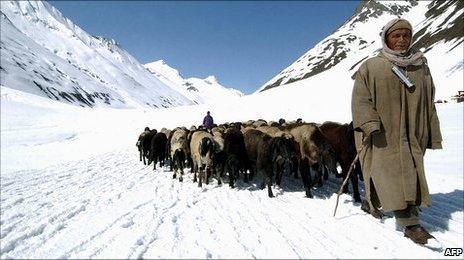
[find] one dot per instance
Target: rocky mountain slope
(438, 32)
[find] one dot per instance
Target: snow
(198, 90)
(445, 64)
(72, 186)
(58, 58)
(73, 61)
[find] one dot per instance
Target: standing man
(208, 121)
(396, 121)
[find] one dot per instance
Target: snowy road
(112, 206)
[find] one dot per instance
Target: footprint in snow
(7, 184)
(128, 224)
(16, 202)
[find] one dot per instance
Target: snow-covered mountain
(44, 53)
(198, 90)
(438, 28)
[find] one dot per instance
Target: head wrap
(399, 24)
(400, 58)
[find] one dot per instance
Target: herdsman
(208, 121)
(396, 120)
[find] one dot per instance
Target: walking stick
(347, 176)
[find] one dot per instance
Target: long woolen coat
(408, 124)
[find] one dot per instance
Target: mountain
(44, 53)
(438, 33)
(198, 90)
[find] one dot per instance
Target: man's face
(399, 39)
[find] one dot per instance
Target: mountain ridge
(199, 90)
(436, 25)
(45, 53)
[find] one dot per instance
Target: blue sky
(243, 43)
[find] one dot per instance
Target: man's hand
(372, 133)
(369, 129)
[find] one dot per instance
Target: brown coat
(408, 124)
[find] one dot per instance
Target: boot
(376, 213)
(417, 234)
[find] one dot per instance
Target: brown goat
(268, 155)
(315, 152)
(341, 137)
(257, 146)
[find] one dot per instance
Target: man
(208, 121)
(396, 123)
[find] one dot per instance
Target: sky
(243, 43)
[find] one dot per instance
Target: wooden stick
(352, 166)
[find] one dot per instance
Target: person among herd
(396, 121)
(208, 121)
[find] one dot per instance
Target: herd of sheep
(267, 150)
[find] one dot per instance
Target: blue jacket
(208, 121)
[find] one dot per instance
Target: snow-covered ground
(72, 187)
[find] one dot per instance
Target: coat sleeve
(435, 138)
(365, 115)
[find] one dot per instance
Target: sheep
(259, 122)
(168, 134)
(273, 123)
(284, 157)
(236, 125)
(218, 154)
(139, 143)
(202, 148)
(341, 137)
(248, 123)
(179, 149)
(224, 125)
(157, 149)
(273, 131)
(165, 131)
(236, 159)
(293, 151)
(145, 143)
(218, 129)
(315, 152)
(244, 129)
(266, 153)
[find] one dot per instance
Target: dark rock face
(427, 39)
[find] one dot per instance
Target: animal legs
(304, 172)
